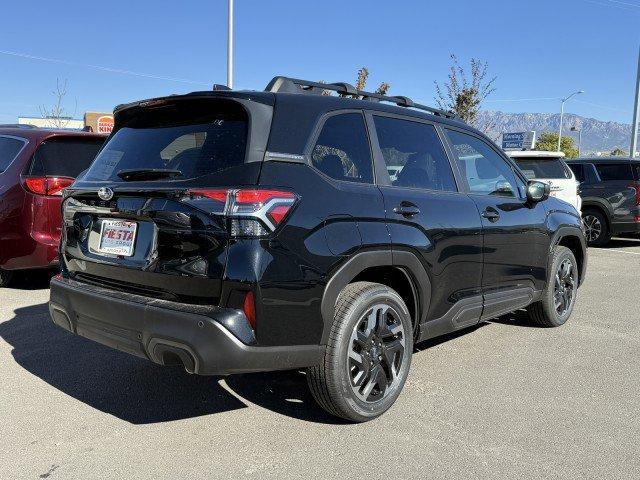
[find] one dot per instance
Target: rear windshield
(9, 149)
(543, 167)
(192, 139)
(64, 156)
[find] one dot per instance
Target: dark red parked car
(35, 165)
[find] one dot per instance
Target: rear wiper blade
(148, 174)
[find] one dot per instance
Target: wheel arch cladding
(403, 273)
(568, 237)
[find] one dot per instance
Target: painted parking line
(616, 251)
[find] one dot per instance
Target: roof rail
(295, 85)
(17, 125)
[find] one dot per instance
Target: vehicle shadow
(432, 342)
(31, 280)
(619, 242)
(519, 318)
(138, 391)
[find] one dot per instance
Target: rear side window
(614, 171)
(195, 139)
(543, 168)
(414, 155)
(9, 149)
(64, 156)
(342, 149)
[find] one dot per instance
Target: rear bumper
(29, 253)
(207, 340)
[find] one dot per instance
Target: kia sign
(519, 140)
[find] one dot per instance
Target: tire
(596, 228)
(546, 312)
(5, 277)
(355, 325)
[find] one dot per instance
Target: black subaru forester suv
(238, 231)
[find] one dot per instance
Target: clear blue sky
(537, 49)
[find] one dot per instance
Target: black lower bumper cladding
(206, 340)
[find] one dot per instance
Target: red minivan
(35, 166)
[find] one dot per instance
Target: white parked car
(549, 167)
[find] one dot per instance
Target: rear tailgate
(145, 234)
(178, 252)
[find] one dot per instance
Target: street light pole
(230, 46)
(562, 114)
(636, 116)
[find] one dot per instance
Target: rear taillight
(47, 185)
(252, 212)
(636, 187)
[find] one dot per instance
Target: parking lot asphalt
(501, 400)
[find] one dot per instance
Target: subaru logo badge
(105, 193)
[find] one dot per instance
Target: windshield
(191, 141)
(544, 168)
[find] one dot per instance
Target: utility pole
(636, 115)
(230, 46)
(562, 114)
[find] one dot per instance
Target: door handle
(407, 209)
(491, 214)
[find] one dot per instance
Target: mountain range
(597, 135)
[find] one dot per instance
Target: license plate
(117, 237)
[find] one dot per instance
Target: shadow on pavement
(518, 318)
(432, 342)
(140, 392)
(136, 390)
(31, 279)
(619, 242)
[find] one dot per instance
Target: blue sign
(518, 140)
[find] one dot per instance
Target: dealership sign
(519, 140)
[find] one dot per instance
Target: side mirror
(538, 191)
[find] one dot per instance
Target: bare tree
(361, 82)
(56, 114)
(464, 96)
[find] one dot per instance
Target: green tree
(548, 141)
(463, 95)
(618, 152)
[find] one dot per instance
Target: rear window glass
(193, 139)
(342, 150)
(64, 156)
(543, 168)
(614, 171)
(9, 149)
